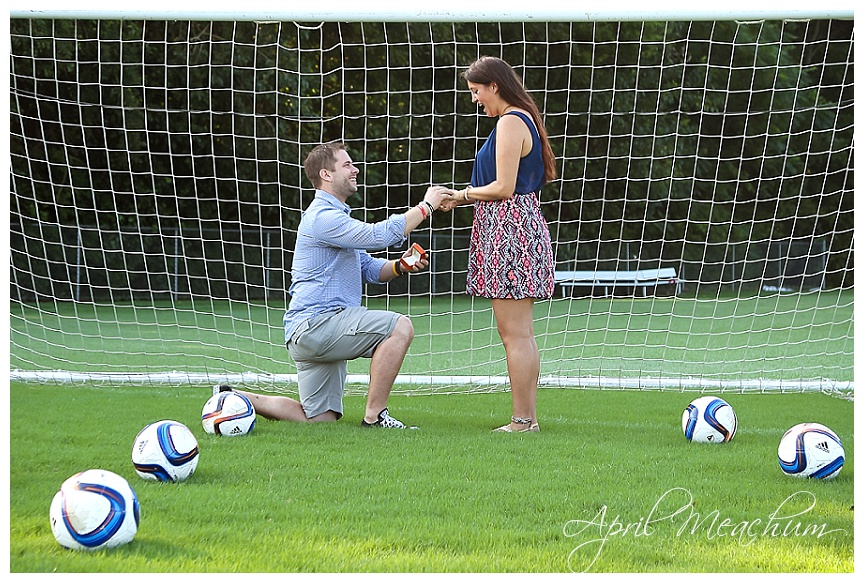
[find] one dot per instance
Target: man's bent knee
(404, 330)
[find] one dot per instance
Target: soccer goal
(702, 220)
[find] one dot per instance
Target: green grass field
(595, 491)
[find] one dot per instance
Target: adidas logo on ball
(811, 450)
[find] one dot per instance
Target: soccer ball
(709, 420)
(811, 450)
(94, 509)
(165, 451)
(228, 413)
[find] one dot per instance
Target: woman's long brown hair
(488, 70)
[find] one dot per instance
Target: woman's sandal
(526, 421)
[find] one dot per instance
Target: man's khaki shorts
(322, 346)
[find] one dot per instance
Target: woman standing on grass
(510, 253)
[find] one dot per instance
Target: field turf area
(609, 485)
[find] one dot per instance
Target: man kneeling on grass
(325, 325)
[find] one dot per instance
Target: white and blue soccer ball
(228, 413)
(709, 420)
(165, 451)
(811, 450)
(94, 509)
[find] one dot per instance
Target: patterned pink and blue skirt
(510, 253)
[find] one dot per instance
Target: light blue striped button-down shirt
(331, 262)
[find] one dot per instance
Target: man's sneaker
(220, 389)
(385, 420)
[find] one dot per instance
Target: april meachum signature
(676, 505)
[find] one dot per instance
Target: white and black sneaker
(220, 389)
(386, 421)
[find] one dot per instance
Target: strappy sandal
(529, 427)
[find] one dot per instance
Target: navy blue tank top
(531, 170)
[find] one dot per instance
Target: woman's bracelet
(466, 191)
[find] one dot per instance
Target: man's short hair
(322, 157)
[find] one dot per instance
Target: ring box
(417, 253)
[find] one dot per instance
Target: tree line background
(156, 157)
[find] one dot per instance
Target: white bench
(641, 278)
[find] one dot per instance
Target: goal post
(702, 220)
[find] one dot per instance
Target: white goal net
(702, 220)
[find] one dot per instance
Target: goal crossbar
(450, 11)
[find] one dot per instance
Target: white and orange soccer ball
(709, 420)
(228, 413)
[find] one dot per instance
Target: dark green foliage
(676, 141)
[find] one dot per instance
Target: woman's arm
(513, 141)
